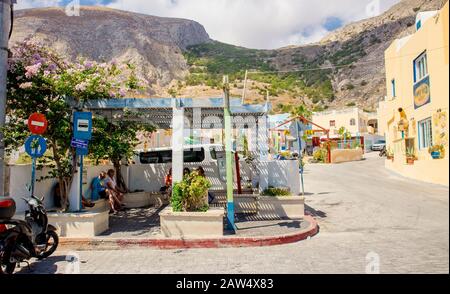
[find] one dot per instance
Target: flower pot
(410, 161)
(436, 155)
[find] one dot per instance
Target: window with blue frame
(393, 89)
(420, 67)
(425, 134)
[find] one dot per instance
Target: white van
(192, 154)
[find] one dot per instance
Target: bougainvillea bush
(41, 80)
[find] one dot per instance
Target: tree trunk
(64, 183)
(119, 178)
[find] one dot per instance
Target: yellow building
(415, 113)
(354, 120)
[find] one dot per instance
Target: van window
(160, 157)
(194, 155)
(149, 157)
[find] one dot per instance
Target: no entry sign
(37, 123)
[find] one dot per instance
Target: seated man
(113, 190)
(100, 191)
(98, 187)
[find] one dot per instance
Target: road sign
(82, 125)
(35, 146)
(37, 123)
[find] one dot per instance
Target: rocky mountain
(344, 69)
(155, 44)
(177, 57)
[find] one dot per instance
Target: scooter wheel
(51, 246)
(6, 267)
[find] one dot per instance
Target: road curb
(102, 244)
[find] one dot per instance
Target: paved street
(361, 208)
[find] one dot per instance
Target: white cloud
(23, 4)
(259, 23)
(251, 23)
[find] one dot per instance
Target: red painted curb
(223, 242)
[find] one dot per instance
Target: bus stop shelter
(183, 115)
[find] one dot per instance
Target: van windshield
(165, 156)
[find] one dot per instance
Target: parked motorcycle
(22, 240)
(383, 152)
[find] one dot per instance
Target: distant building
(415, 113)
(356, 121)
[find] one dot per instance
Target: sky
(259, 24)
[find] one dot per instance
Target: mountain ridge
(178, 58)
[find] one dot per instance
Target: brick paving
(362, 209)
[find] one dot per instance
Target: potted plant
(390, 154)
(191, 194)
(190, 215)
(437, 151)
(410, 156)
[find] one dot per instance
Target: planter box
(192, 224)
(145, 199)
(346, 155)
(80, 225)
(292, 207)
(246, 203)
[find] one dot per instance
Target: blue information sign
(82, 125)
(81, 146)
(35, 146)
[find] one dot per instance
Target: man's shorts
(103, 194)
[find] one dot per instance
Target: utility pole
(244, 92)
(5, 28)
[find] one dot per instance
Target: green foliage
(194, 193)
(321, 155)
(349, 52)
(273, 192)
(173, 92)
(411, 152)
(351, 104)
(212, 60)
(116, 140)
(177, 198)
(302, 110)
(344, 134)
(40, 80)
(349, 87)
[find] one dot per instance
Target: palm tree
(302, 110)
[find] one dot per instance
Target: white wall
(150, 178)
(20, 176)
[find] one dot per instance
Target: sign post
(300, 149)
(36, 145)
(229, 156)
(82, 133)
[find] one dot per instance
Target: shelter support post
(177, 141)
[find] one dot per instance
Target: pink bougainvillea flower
(32, 70)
